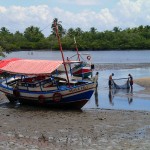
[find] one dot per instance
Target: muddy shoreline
(117, 66)
(28, 127)
(39, 128)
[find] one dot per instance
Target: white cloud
(2, 9)
(18, 18)
(131, 13)
(82, 2)
(87, 2)
(127, 13)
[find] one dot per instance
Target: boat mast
(77, 49)
(61, 50)
(78, 56)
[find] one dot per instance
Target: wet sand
(28, 127)
(144, 82)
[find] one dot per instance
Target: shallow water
(140, 56)
(122, 99)
(103, 98)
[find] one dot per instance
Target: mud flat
(117, 66)
(28, 127)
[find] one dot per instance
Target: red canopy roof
(30, 67)
(7, 61)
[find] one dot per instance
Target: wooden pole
(61, 50)
(77, 49)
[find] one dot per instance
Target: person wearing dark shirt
(110, 80)
(131, 81)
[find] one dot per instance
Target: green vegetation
(117, 39)
(1, 52)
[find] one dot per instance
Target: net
(116, 84)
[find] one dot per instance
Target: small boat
(84, 69)
(36, 82)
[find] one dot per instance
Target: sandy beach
(144, 82)
(38, 128)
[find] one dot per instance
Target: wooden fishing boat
(36, 82)
(39, 82)
(85, 68)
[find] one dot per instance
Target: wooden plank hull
(78, 104)
(75, 97)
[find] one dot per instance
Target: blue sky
(101, 14)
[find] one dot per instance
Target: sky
(17, 15)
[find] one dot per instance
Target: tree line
(117, 39)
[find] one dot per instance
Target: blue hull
(71, 102)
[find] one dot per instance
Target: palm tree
(59, 27)
(116, 29)
(140, 28)
(71, 32)
(33, 34)
(78, 31)
(4, 31)
(147, 27)
(93, 30)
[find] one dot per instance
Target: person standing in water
(110, 80)
(131, 81)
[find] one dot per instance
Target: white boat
(85, 67)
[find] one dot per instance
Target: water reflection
(130, 97)
(115, 92)
(96, 96)
(111, 96)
